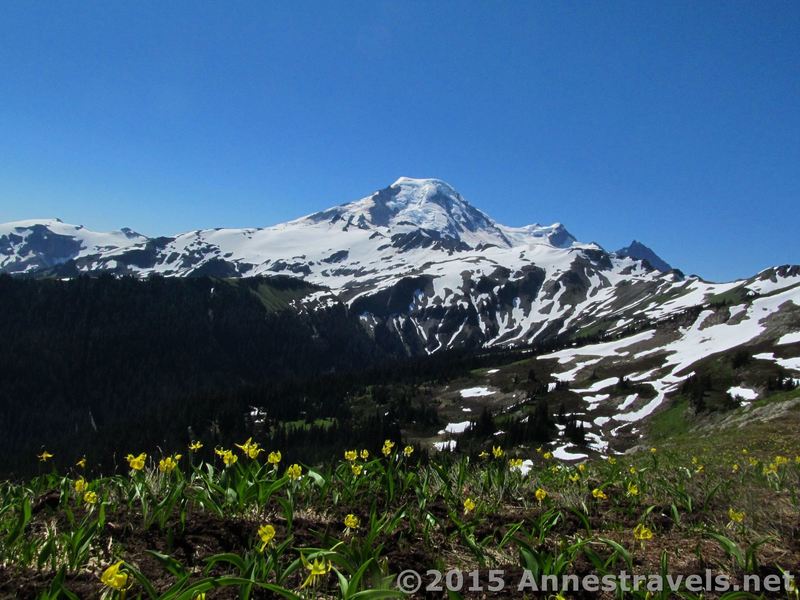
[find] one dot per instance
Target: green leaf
(169, 563)
(228, 557)
(621, 551)
(730, 547)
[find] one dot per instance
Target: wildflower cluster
(310, 528)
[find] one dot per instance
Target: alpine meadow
(390, 393)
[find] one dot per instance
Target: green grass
(303, 424)
(673, 428)
(777, 397)
(275, 299)
(595, 328)
(737, 295)
(666, 296)
(669, 422)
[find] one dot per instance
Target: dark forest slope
(105, 363)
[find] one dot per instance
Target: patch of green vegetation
(303, 424)
(724, 503)
(725, 444)
(675, 430)
(480, 372)
(671, 421)
(276, 299)
(592, 330)
(737, 295)
(777, 397)
(667, 296)
(524, 362)
(720, 369)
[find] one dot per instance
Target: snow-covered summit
(639, 251)
(435, 207)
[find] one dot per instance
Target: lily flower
(114, 577)
(318, 568)
(136, 462)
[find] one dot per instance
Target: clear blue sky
(676, 123)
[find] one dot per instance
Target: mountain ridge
(428, 205)
(415, 258)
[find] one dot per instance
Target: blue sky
(676, 123)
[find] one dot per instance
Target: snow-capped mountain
(36, 245)
(415, 261)
(432, 208)
(639, 251)
(410, 214)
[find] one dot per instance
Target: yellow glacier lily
(136, 462)
(114, 578)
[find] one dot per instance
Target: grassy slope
(412, 516)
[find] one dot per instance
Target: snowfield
(744, 393)
(562, 453)
(456, 427)
(475, 392)
(790, 338)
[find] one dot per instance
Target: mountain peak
(437, 210)
(416, 204)
(639, 251)
(409, 192)
(425, 187)
(428, 203)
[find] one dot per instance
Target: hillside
(105, 363)
(251, 523)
